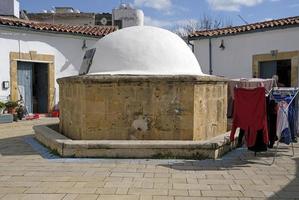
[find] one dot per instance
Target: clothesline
(246, 83)
(251, 116)
(286, 129)
(285, 91)
(285, 88)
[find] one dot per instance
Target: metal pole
(210, 57)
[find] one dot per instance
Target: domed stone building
(144, 50)
(144, 84)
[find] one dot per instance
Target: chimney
(125, 16)
(10, 8)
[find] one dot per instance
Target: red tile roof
(92, 31)
(266, 25)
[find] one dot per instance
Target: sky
(170, 13)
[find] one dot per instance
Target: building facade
(10, 8)
(36, 54)
(72, 18)
(255, 50)
(122, 16)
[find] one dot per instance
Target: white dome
(143, 50)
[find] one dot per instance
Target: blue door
(25, 83)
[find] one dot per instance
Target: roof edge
(192, 38)
(87, 31)
(247, 28)
(57, 33)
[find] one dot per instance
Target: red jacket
(250, 114)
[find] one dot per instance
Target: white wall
(235, 61)
(10, 7)
(16, 8)
(66, 49)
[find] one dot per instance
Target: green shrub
(11, 104)
(2, 105)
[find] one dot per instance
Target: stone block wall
(210, 109)
(142, 107)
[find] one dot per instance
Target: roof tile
(248, 27)
(96, 31)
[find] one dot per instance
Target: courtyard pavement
(29, 171)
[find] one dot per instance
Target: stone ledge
(65, 147)
(141, 78)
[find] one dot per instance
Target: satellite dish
(104, 21)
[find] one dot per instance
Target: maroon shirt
(250, 114)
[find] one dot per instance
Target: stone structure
(146, 85)
(183, 149)
(103, 107)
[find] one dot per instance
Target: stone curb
(65, 147)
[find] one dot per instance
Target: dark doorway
(281, 68)
(40, 88)
(33, 86)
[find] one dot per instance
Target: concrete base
(65, 147)
(6, 118)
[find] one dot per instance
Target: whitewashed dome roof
(143, 50)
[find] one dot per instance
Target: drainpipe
(210, 57)
(192, 45)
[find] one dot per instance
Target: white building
(10, 8)
(33, 55)
(126, 16)
(254, 50)
(123, 16)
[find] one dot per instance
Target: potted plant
(2, 107)
(11, 106)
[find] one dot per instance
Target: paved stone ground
(29, 171)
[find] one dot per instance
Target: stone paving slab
(29, 171)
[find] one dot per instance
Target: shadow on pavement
(16, 146)
(236, 159)
(291, 190)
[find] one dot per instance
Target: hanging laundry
(250, 114)
(272, 119)
(245, 83)
(283, 130)
(292, 117)
(259, 144)
(285, 97)
(288, 95)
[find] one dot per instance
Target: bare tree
(206, 22)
